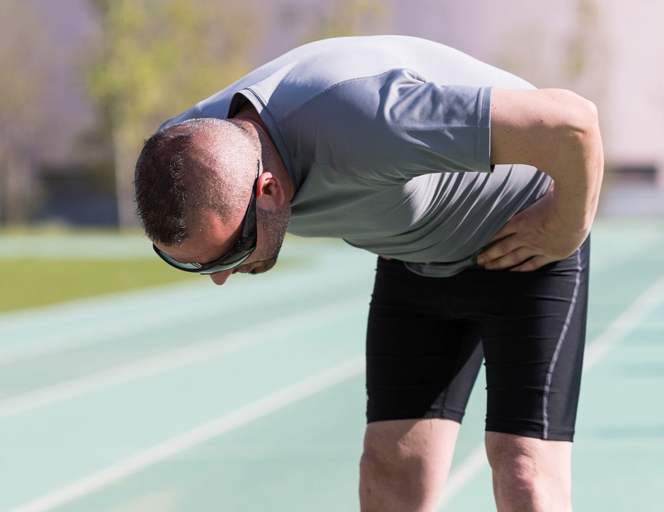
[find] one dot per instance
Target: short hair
(189, 168)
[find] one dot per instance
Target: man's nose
(219, 278)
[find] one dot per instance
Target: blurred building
(608, 50)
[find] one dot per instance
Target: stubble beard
(274, 225)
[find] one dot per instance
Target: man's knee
(413, 446)
(529, 468)
(513, 456)
(386, 463)
(405, 463)
(385, 482)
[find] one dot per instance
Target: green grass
(26, 283)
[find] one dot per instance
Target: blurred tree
(155, 58)
(588, 56)
(339, 18)
(24, 61)
(578, 59)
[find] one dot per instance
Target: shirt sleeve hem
(484, 133)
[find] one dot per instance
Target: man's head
(194, 181)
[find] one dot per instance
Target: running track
(250, 397)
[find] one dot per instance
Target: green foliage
(155, 58)
(577, 57)
(28, 283)
(580, 44)
(341, 18)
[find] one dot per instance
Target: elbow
(581, 115)
(589, 117)
(579, 135)
(593, 113)
(577, 127)
(584, 128)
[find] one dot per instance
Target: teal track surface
(251, 397)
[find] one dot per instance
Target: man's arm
(557, 132)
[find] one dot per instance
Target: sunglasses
(242, 250)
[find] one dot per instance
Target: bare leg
(405, 464)
(530, 475)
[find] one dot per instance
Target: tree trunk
(126, 150)
(15, 188)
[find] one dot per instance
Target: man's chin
(264, 266)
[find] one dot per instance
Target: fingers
(512, 259)
(502, 249)
(518, 261)
(511, 254)
(532, 264)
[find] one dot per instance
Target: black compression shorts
(427, 337)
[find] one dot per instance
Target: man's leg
(533, 333)
(405, 464)
(422, 362)
(530, 475)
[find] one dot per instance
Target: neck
(275, 163)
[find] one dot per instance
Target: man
(429, 159)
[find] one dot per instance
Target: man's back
(386, 139)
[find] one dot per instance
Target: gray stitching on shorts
(559, 345)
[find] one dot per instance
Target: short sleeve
(393, 126)
(435, 128)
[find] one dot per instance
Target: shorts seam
(556, 353)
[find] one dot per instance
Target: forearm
(556, 131)
(577, 171)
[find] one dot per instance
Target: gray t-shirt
(387, 141)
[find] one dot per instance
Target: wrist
(574, 215)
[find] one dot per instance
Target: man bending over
(477, 193)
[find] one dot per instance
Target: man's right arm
(556, 131)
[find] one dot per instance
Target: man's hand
(531, 239)
(557, 132)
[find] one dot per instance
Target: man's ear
(269, 192)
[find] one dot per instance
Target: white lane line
(191, 354)
(196, 436)
(636, 313)
(463, 474)
(100, 332)
(91, 329)
(622, 253)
